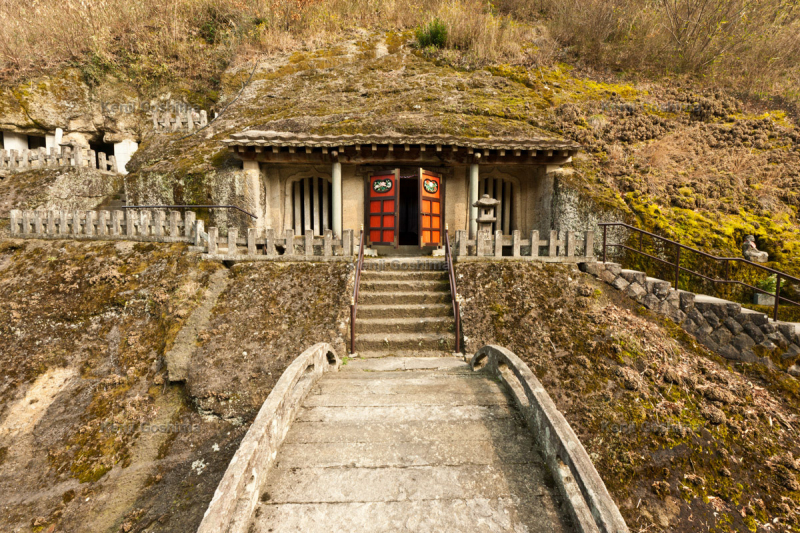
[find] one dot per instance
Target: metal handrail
(448, 257)
(186, 206)
(780, 276)
(354, 300)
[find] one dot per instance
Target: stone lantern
(486, 218)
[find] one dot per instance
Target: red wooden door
(382, 210)
(430, 208)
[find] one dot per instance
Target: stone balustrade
(157, 226)
(61, 156)
(267, 245)
(187, 121)
(570, 246)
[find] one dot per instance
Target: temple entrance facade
(404, 191)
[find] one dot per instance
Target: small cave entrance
(100, 146)
(36, 141)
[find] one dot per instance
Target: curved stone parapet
(236, 497)
(590, 505)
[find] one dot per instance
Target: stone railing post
(347, 243)
(534, 243)
(251, 241)
(203, 118)
(174, 219)
(233, 234)
(198, 232)
(553, 244)
(269, 242)
(76, 223)
(88, 228)
(289, 249)
(102, 221)
(188, 225)
(51, 222)
(38, 222)
(498, 243)
(461, 243)
(308, 248)
(158, 223)
(144, 223)
(570, 244)
(16, 218)
(130, 226)
(588, 244)
(516, 242)
(327, 243)
(212, 240)
(26, 222)
(112, 164)
(62, 223)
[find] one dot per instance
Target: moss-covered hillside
(684, 440)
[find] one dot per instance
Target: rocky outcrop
(725, 327)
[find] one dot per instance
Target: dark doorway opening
(106, 148)
(409, 211)
(36, 141)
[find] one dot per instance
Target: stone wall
(724, 327)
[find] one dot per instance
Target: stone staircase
(405, 313)
(409, 444)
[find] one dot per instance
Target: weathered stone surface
(620, 283)
(743, 342)
(608, 276)
(794, 370)
(733, 326)
(658, 287)
(614, 268)
(636, 291)
(779, 340)
(675, 314)
(769, 327)
(687, 300)
(754, 332)
(722, 336)
(634, 276)
(712, 319)
(381, 448)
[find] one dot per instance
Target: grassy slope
(683, 440)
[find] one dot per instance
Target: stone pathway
(408, 444)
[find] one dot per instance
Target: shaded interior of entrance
(409, 211)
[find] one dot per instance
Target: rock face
(724, 327)
(751, 253)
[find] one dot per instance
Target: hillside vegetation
(750, 46)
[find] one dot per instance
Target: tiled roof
(276, 138)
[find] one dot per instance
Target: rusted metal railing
(354, 300)
(448, 257)
(780, 276)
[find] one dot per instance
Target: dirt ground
(92, 436)
(683, 440)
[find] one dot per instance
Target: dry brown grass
(750, 46)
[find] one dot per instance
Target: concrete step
(340, 485)
(403, 298)
(405, 325)
(445, 342)
(389, 353)
(404, 310)
(421, 275)
(473, 514)
(401, 285)
(405, 454)
(404, 363)
(420, 398)
(496, 430)
(405, 413)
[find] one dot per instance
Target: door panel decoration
(430, 208)
(382, 209)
